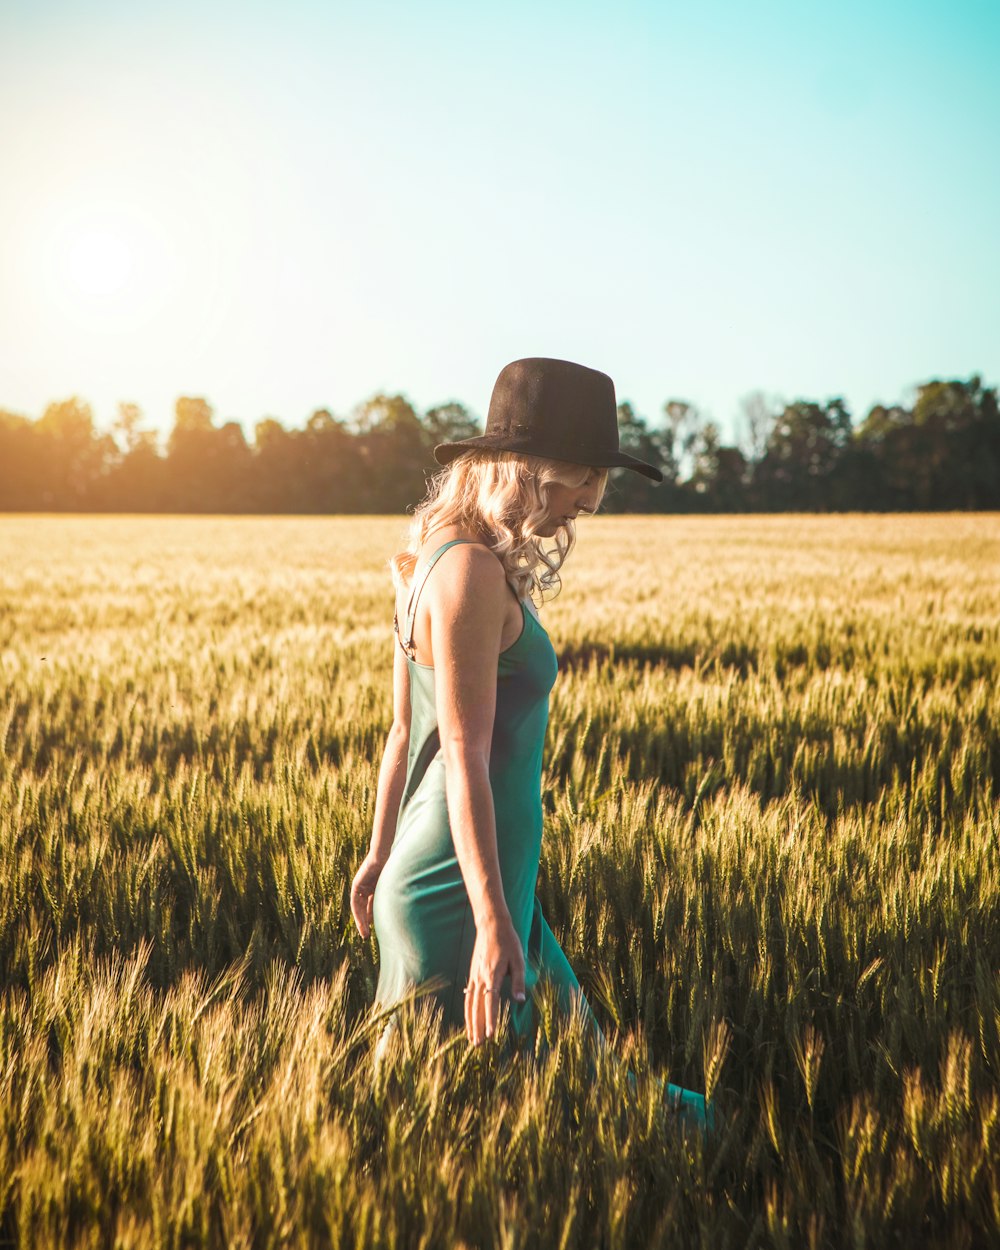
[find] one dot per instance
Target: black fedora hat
(556, 409)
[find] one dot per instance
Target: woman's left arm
(388, 795)
(392, 773)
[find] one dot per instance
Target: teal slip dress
(422, 917)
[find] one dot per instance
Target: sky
(288, 206)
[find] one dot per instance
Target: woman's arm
(392, 771)
(466, 612)
(389, 792)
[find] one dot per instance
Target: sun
(100, 261)
(104, 266)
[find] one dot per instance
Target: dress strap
(411, 607)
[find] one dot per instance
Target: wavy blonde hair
(504, 497)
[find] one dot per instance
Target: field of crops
(773, 816)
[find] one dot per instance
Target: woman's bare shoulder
(472, 567)
(469, 548)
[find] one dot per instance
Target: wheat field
(772, 793)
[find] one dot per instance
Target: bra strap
(418, 585)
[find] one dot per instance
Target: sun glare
(104, 267)
(100, 262)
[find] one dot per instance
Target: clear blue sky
(288, 206)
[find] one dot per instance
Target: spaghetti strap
(411, 607)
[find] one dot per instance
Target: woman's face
(565, 502)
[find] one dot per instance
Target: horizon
(655, 420)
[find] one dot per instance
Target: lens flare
(100, 262)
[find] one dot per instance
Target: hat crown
(557, 401)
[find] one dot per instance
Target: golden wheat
(771, 854)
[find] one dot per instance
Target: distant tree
(958, 439)
(884, 452)
(758, 415)
(395, 454)
(732, 474)
(449, 423)
(138, 480)
(331, 468)
(627, 491)
(192, 414)
(685, 421)
(803, 456)
(277, 462)
(233, 462)
(127, 426)
(322, 420)
(22, 467)
(208, 469)
(719, 473)
(942, 453)
(705, 458)
(77, 458)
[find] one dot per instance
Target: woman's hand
(363, 892)
(497, 951)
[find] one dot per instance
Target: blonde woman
(449, 880)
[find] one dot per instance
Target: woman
(459, 791)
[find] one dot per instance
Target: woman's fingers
(473, 1011)
(482, 1010)
(356, 907)
(491, 962)
(492, 1008)
(517, 975)
(496, 953)
(477, 1014)
(361, 908)
(487, 997)
(363, 895)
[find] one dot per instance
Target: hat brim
(444, 453)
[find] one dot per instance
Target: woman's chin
(551, 528)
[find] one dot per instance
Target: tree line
(940, 452)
